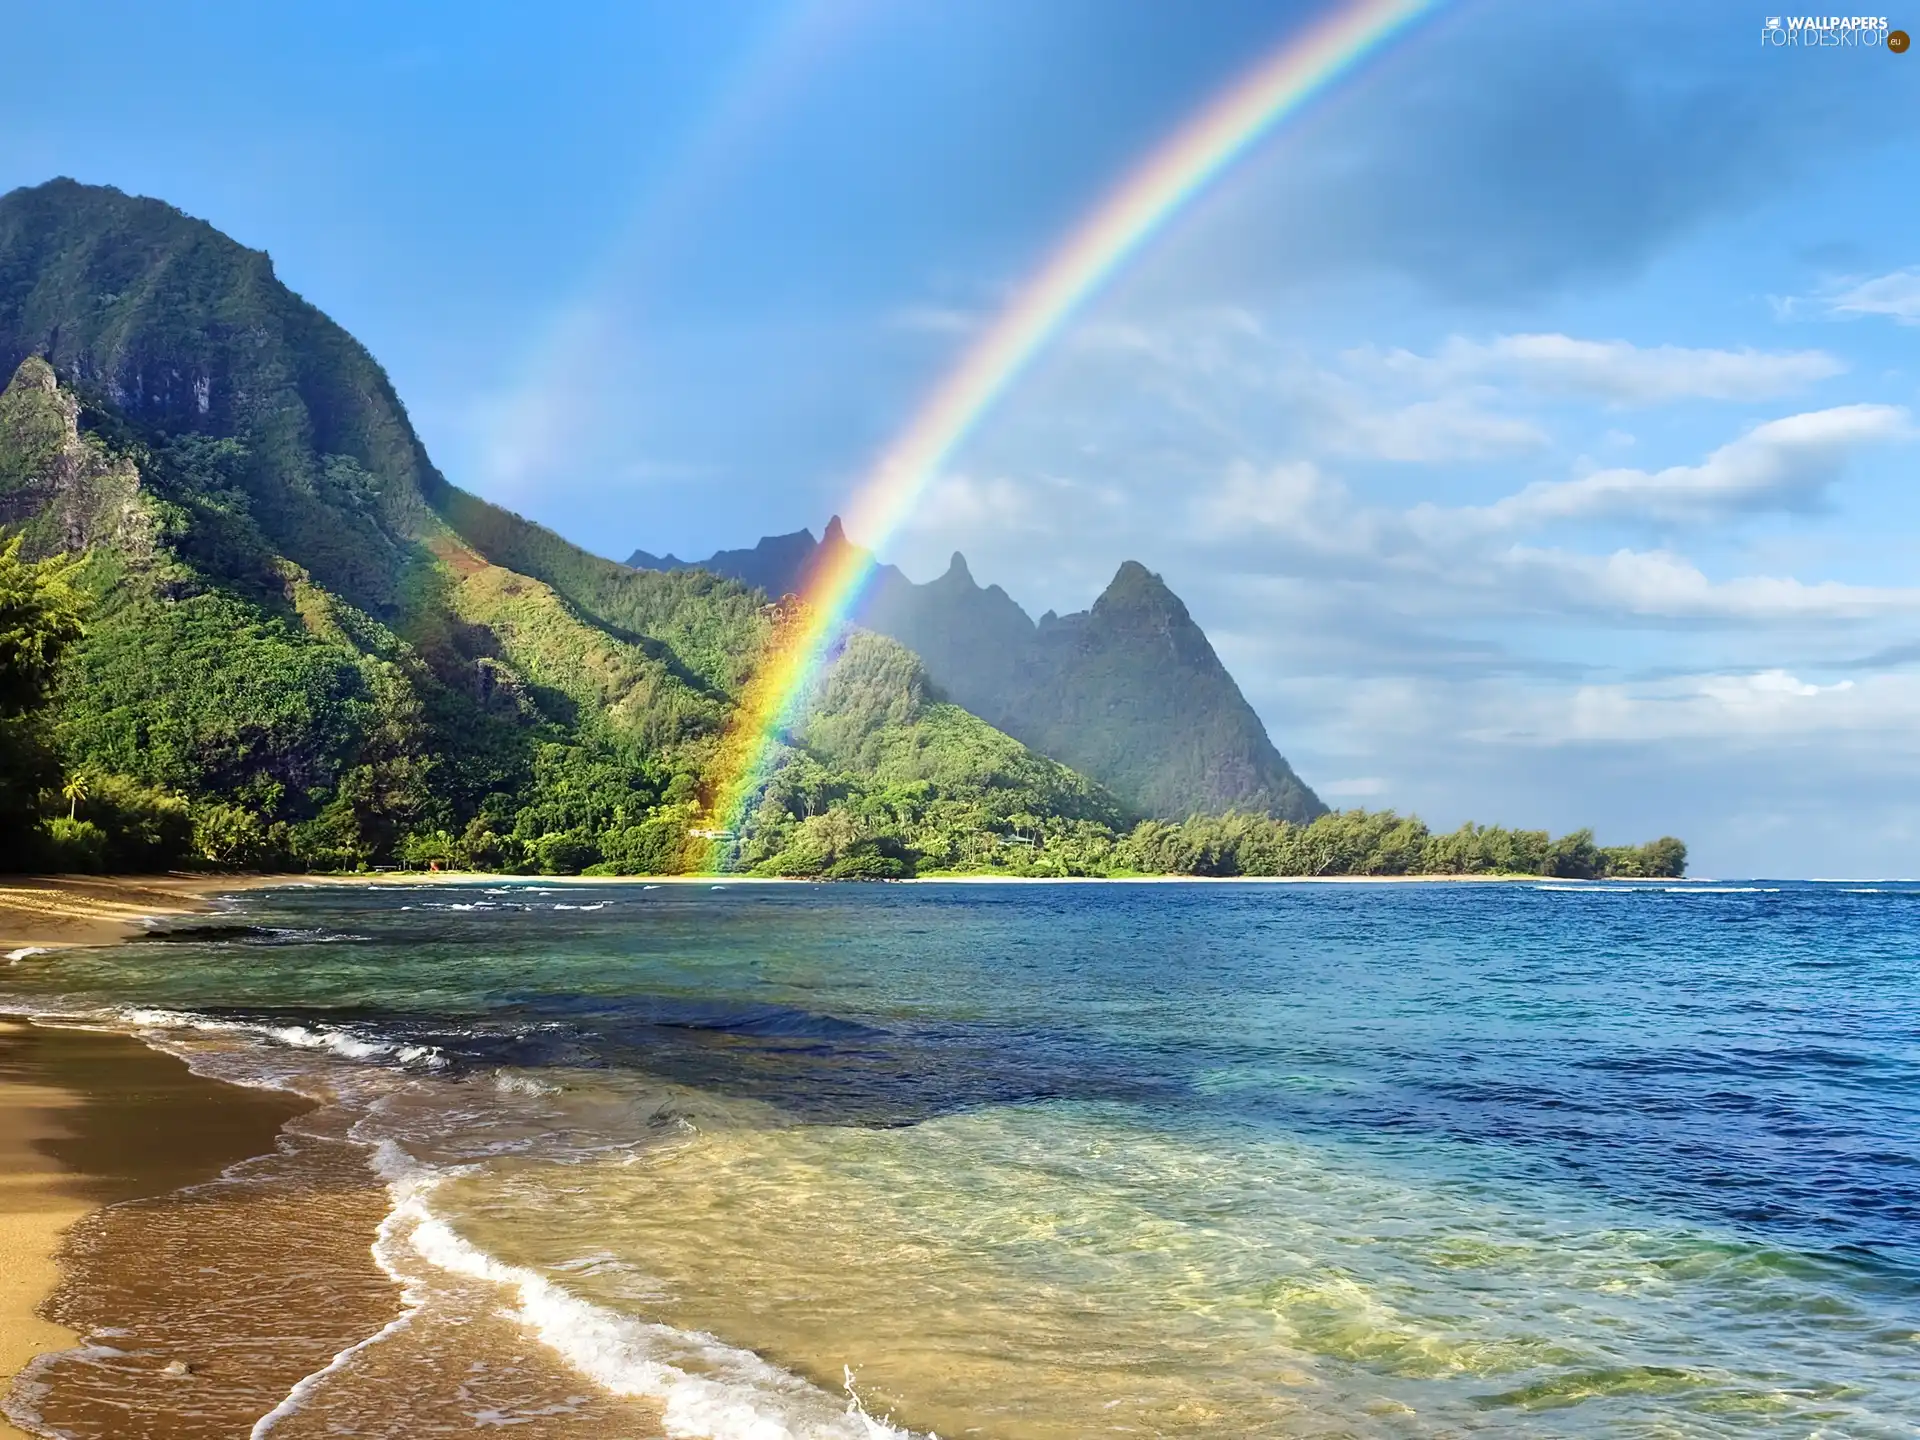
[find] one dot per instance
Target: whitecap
(344, 1044)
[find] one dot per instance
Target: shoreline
(89, 1118)
(490, 877)
(59, 1093)
(54, 912)
(58, 912)
(46, 1185)
(60, 1086)
(36, 1211)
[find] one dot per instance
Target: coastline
(70, 1099)
(53, 912)
(37, 1207)
(53, 1093)
(87, 1119)
(492, 877)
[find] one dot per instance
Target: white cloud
(1473, 558)
(1212, 364)
(1613, 371)
(1659, 585)
(1756, 705)
(970, 504)
(1295, 496)
(1225, 374)
(1896, 296)
(1781, 465)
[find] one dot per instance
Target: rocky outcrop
(59, 487)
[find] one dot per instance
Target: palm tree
(73, 792)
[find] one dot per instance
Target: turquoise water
(1047, 1161)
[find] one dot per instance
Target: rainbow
(1178, 170)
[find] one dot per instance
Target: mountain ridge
(335, 656)
(1129, 691)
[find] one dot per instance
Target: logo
(1826, 32)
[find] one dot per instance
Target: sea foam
(331, 1039)
(706, 1388)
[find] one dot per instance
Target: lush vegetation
(1129, 693)
(38, 621)
(244, 623)
(1360, 842)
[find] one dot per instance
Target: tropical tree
(39, 619)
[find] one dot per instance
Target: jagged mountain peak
(1134, 587)
(34, 374)
(1129, 691)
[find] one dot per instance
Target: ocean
(1025, 1161)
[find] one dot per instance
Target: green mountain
(333, 657)
(244, 621)
(1129, 693)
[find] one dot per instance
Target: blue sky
(1530, 422)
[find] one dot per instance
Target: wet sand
(35, 1210)
(53, 911)
(86, 1120)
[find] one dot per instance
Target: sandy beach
(52, 911)
(87, 1119)
(37, 1204)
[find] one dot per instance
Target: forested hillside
(243, 621)
(301, 646)
(1129, 693)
